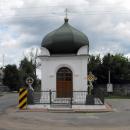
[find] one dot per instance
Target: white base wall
(77, 64)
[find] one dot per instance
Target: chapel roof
(65, 40)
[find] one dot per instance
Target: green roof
(64, 40)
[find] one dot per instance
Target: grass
(117, 97)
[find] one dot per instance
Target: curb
(63, 110)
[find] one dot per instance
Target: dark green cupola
(65, 40)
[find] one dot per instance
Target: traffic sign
(109, 87)
(29, 81)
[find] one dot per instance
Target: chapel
(64, 58)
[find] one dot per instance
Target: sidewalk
(75, 108)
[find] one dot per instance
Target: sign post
(29, 82)
(109, 88)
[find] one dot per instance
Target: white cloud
(123, 29)
(24, 23)
(7, 7)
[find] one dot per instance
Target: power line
(51, 9)
(71, 12)
(65, 5)
(59, 6)
(54, 14)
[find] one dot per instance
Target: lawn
(117, 97)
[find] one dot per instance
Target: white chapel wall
(78, 65)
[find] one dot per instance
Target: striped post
(23, 98)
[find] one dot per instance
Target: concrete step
(62, 100)
(58, 110)
(60, 105)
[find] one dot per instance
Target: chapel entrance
(64, 85)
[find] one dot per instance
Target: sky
(24, 23)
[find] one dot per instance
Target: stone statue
(90, 98)
(90, 88)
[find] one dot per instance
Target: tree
(11, 77)
(105, 67)
(31, 58)
(117, 64)
(94, 63)
(26, 69)
(120, 69)
(95, 66)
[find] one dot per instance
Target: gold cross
(91, 77)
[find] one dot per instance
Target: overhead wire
(23, 13)
(53, 14)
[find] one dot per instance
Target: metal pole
(35, 64)
(109, 76)
(71, 100)
(3, 60)
(50, 93)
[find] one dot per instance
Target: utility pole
(109, 76)
(35, 67)
(3, 57)
(35, 62)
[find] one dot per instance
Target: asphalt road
(12, 119)
(120, 117)
(8, 100)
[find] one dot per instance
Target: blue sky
(24, 23)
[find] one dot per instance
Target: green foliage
(117, 97)
(15, 77)
(11, 77)
(94, 63)
(27, 68)
(117, 64)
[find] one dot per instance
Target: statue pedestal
(89, 100)
(30, 97)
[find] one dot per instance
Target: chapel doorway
(64, 86)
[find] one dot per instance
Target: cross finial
(66, 15)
